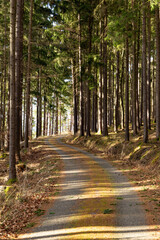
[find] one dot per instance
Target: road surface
(95, 201)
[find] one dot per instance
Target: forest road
(95, 201)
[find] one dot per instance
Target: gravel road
(61, 220)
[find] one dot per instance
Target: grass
(39, 212)
(108, 211)
(120, 198)
(29, 225)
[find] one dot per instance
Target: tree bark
(127, 92)
(100, 82)
(135, 79)
(44, 116)
(89, 76)
(157, 73)
(81, 80)
(149, 68)
(12, 160)
(105, 107)
(117, 96)
(28, 77)
(74, 96)
(56, 125)
(144, 67)
(18, 72)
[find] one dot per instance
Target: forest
(79, 66)
(97, 61)
(110, 48)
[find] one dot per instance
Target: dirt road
(94, 201)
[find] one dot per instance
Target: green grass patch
(52, 213)
(108, 211)
(120, 198)
(29, 225)
(39, 212)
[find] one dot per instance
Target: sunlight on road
(88, 191)
(96, 232)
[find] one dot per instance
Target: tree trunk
(105, 107)
(5, 75)
(39, 107)
(12, 160)
(117, 96)
(144, 67)
(157, 73)
(74, 96)
(18, 73)
(100, 83)
(52, 121)
(89, 75)
(135, 80)
(137, 72)
(122, 94)
(56, 125)
(28, 77)
(149, 69)
(44, 116)
(127, 91)
(81, 81)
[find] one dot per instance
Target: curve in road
(90, 187)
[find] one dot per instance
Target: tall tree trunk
(117, 96)
(157, 73)
(149, 68)
(39, 106)
(153, 90)
(137, 72)
(110, 93)
(105, 107)
(81, 80)
(56, 125)
(74, 96)
(50, 124)
(144, 68)
(88, 82)
(127, 87)
(141, 93)
(46, 129)
(12, 160)
(44, 116)
(135, 80)
(8, 112)
(5, 74)
(18, 72)
(127, 92)
(100, 82)
(38, 97)
(122, 94)
(28, 77)
(52, 121)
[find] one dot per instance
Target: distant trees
(123, 66)
(100, 59)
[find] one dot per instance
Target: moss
(8, 190)
(11, 181)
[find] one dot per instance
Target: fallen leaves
(33, 190)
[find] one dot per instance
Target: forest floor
(37, 184)
(22, 204)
